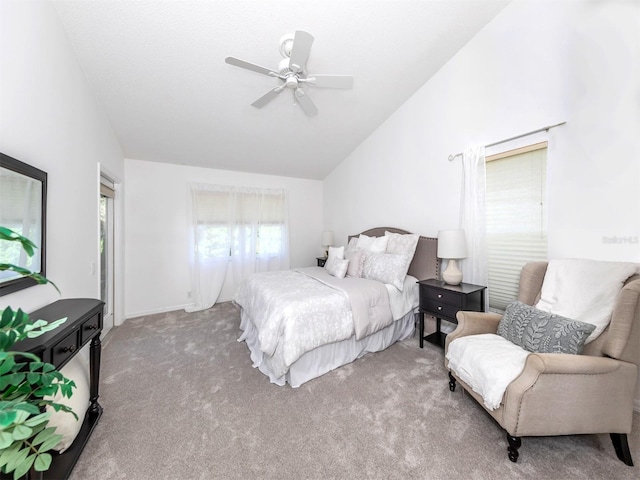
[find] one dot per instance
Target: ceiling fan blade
(305, 102)
(236, 62)
(330, 81)
(267, 97)
(302, 42)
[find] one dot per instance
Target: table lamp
(327, 241)
(452, 246)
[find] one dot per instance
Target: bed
(302, 323)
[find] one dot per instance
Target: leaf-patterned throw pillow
(543, 332)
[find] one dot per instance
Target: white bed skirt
(328, 357)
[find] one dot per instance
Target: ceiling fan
(291, 71)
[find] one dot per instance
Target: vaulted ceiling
(157, 68)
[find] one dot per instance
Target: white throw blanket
(584, 290)
(488, 363)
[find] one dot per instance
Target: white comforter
(294, 313)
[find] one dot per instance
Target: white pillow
(336, 252)
(65, 423)
(386, 268)
(353, 244)
(373, 244)
(584, 290)
(356, 263)
(337, 267)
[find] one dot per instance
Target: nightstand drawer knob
(439, 308)
(439, 295)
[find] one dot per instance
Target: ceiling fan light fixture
(286, 45)
(295, 49)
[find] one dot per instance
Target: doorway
(107, 241)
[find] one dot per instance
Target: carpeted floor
(181, 401)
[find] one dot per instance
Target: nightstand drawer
(440, 309)
(65, 349)
(440, 296)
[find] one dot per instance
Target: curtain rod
(451, 157)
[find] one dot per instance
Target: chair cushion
(543, 332)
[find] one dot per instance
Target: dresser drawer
(89, 327)
(440, 309)
(440, 296)
(65, 348)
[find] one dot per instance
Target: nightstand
(443, 301)
(321, 261)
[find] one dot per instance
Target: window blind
(516, 219)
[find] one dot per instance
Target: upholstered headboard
(425, 264)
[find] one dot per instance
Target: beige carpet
(181, 401)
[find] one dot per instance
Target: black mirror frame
(17, 166)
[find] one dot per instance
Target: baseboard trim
(166, 309)
(127, 316)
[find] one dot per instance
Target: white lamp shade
(452, 244)
(327, 238)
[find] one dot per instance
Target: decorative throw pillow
(373, 244)
(337, 267)
(356, 263)
(65, 423)
(402, 244)
(543, 332)
(386, 268)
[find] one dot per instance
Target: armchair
(562, 394)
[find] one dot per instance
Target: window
(240, 223)
(516, 215)
(242, 230)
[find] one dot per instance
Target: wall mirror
(23, 201)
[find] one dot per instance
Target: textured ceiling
(157, 68)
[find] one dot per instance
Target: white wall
(535, 64)
(156, 218)
(49, 119)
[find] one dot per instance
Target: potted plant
(27, 384)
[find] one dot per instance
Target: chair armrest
(555, 391)
(560, 363)
(473, 323)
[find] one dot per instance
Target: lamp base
(452, 274)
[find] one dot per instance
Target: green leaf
(38, 419)
(27, 407)
(8, 454)
(7, 317)
(50, 442)
(7, 418)
(43, 462)
(17, 459)
(6, 439)
(9, 235)
(44, 435)
(22, 432)
(6, 364)
(23, 467)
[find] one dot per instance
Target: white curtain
(246, 228)
(472, 216)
